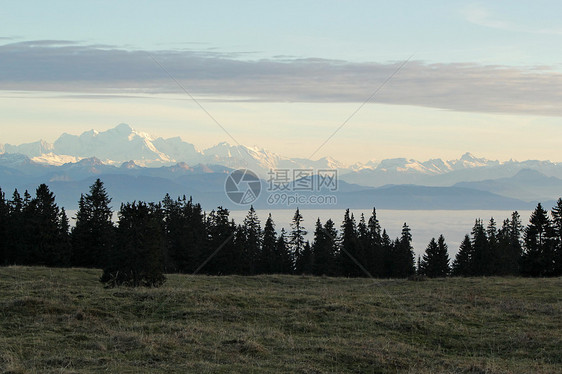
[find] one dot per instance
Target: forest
(176, 236)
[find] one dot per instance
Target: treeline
(176, 235)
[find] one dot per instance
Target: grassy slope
(62, 320)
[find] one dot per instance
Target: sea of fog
(425, 224)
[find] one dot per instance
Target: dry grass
(64, 321)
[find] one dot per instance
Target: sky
(421, 80)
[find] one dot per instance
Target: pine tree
(427, 265)
(364, 244)
(515, 232)
(492, 235)
(492, 230)
(221, 255)
(387, 249)
(194, 234)
(435, 262)
(26, 198)
(403, 255)
(304, 262)
(482, 260)
(64, 252)
(375, 227)
(93, 235)
(557, 224)
(508, 253)
(268, 259)
(462, 266)
(350, 252)
(539, 238)
(253, 241)
(175, 223)
(284, 265)
(374, 253)
(395, 254)
(27, 220)
(138, 258)
(238, 251)
(297, 238)
(318, 248)
(43, 223)
(4, 217)
(17, 241)
(324, 248)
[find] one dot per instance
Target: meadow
(65, 321)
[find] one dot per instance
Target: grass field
(64, 321)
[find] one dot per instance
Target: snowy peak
(403, 165)
(437, 166)
(322, 163)
(118, 144)
(468, 157)
(225, 150)
(178, 150)
(469, 161)
(239, 156)
(180, 166)
(90, 161)
(126, 148)
(261, 160)
(14, 160)
(129, 165)
(29, 149)
(122, 128)
(430, 167)
(54, 159)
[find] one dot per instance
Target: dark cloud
(67, 66)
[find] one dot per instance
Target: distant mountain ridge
(126, 156)
(527, 182)
(205, 183)
(446, 173)
(123, 144)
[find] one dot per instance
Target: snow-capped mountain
(34, 149)
(178, 150)
(438, 172)
(205, 183)
(260, 160)
(116, 145)
(429, 167)
(54, 159)
(136, 165)
(123, 146)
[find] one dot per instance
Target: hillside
(56, 320)
(526, 184)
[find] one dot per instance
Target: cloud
(481, 16)
(84, 69)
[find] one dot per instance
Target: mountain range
(123, 144)
(135, 165)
